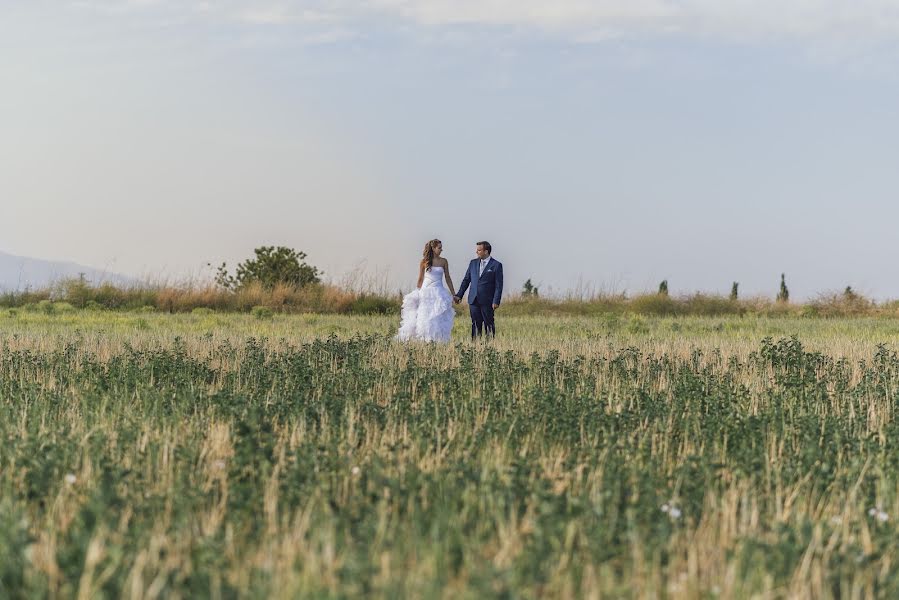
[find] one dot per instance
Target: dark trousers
(481, 319)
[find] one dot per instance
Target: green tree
(734, 290)
(663, 288)
(272, 265)
(529, 289)
(784, 294)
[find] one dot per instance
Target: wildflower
(672, 511)
(356, 470)
(878, 514)
(219, 464)
(70, 479)
(836, 520)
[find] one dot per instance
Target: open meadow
(148, 455)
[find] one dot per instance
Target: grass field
(147, 455)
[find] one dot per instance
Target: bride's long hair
(428, 254)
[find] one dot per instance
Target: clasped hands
(457, 300)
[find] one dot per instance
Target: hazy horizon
(607, 144)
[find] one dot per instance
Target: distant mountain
(20, 272)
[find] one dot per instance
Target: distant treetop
(272, 265)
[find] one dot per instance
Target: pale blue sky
(608, 143)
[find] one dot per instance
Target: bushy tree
(272, 265)
(663, 288)
(734, 290)
(529, 289)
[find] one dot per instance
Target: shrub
(77, 292)
(271, 266)
(373, 305)
(63, 307)
(202, 311)
(185, 299)
(809, 312)
(846, 304)
(81, 294)
(17, 299)
(46, 307)
(709, 305)
(653, 304)
(262, 312)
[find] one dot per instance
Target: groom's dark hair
(486, 246)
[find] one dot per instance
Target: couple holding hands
(428, 313)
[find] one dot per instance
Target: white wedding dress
(428, 313)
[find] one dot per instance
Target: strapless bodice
(433, 277)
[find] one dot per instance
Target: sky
(598, 145)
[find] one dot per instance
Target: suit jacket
(488, 287)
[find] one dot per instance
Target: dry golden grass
(358, 295)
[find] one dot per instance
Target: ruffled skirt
(427, 315)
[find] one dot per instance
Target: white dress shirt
(483, 265)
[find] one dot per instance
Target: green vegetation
(281, 297)
(322, 298)
(529, 290)
(271, 266)
(211, 455)
(262, 312)
(783, 295)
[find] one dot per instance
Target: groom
(486, 291)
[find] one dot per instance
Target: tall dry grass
(318, 298)
(359, 293)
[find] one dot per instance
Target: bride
(427, 312)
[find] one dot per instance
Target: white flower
(878, 514)
(673, 511)
(70, 478)
(836, 520)
(356, 470)
(219, 464)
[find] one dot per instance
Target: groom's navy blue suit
(486, 291)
